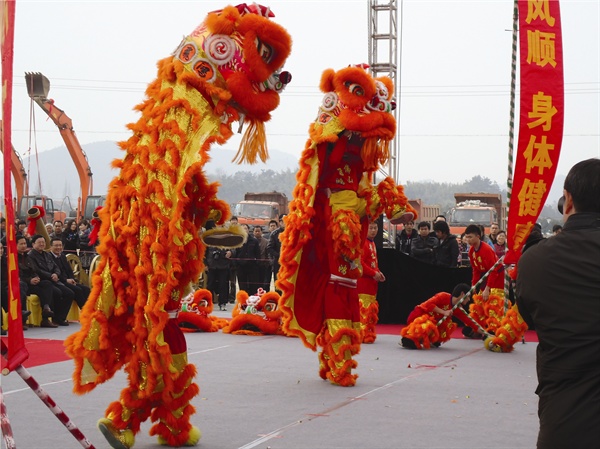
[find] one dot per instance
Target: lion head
(258, 314)
(239, 51)
(359, 103)
(195, 313)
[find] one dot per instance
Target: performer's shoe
(118, 439)
(192, 440)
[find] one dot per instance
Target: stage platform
(265, 392)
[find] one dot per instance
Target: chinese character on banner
(541, 118)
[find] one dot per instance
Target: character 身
(226, 70)
(333, 201)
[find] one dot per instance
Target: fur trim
(253, 144)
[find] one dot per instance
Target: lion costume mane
(226, 70)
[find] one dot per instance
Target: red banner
(541, 118)
(17, 353)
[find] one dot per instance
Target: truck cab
(256, 213)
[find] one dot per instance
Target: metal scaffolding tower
(383, 59)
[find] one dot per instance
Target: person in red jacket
(367, 286)
(422, 330)
(483, 258)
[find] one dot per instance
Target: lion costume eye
(270, 306)
(264, 50)
(355, 89)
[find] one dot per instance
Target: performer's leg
(341, 335)
(369, 315)
(123, 418)
(172, 412)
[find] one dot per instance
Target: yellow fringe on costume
(487, 313)
(253, 144)
(345, 226)
(369, 315)
(335, 359)
(511, 330)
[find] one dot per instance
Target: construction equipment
(38, 87)
(257, 209)
(23, 201)
(477, 208)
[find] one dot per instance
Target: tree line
(234, 186)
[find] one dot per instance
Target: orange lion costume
(195, 313)
(258, 314)
(226, 70)
(333, 201)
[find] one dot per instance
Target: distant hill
(59, 177)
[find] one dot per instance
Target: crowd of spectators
(251, 267)
(436, 245)
(44, 270)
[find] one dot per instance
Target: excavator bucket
(38, 85)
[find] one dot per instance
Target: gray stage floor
(264, 392)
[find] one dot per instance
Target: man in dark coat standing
(558, 292)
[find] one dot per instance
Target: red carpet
(42, 352)
(394, 329)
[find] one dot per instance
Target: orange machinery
(38, 87)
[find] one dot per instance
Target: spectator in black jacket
(246, 262)
(46, 268)
(66, 276)
(70, 237)
(32, 283)
(4, 289)
(274, 248)
(558, 292)
(405, 237)
(446, 253)
(422, 248)
(218, 262)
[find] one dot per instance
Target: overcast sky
(454, 74)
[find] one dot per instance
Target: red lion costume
(333, 202)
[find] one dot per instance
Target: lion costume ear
(389, 84)
(326, 84)
(224, 21)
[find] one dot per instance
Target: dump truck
(257, 209)
(476, 208)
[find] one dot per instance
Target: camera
(216, 255)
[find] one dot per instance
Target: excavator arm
(38, 87)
